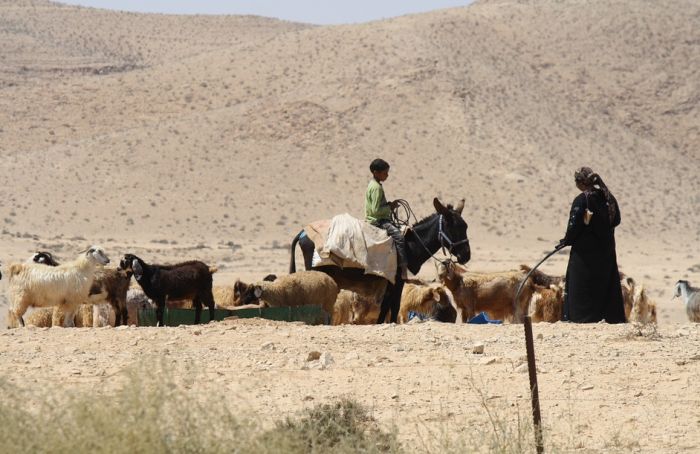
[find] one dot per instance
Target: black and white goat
(44, 257)
(187, 280)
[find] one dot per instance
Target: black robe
(593, 291)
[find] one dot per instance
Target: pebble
(487, 361)
(586, 387)
(478, 349)
(268, 346)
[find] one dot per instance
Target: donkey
(443, 229)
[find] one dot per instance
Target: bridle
(442, 236)
(446, 242)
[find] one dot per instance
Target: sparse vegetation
(145, 415)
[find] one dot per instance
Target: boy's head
(379, 169)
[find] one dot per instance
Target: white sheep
(66, 285)
(297, 289)
(691, 298)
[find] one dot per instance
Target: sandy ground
(219, 138)
(603, 388)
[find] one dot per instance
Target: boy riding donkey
(378, 211)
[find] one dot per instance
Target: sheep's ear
(436, 295)
(136, 267)
(257, 291)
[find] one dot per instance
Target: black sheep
(187, 280)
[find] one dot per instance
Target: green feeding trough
(311, 315)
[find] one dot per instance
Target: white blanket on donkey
(348, 242)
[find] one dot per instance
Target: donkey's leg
(396, 299)
(386, 304)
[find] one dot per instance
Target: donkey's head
(453, 230)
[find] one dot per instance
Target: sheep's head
(97, 255)
(251, 294)
(679, 286)
(45, 258)
(239, 288)
(132, 264)
(125, 262)
(429, 299)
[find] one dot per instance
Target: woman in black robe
(593, 292)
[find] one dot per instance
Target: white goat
(66, 285)
(691, 298)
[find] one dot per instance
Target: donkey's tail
(292, 260)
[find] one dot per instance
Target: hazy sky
(311, 11)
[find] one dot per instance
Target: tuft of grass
(341, 427)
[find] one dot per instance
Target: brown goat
(547, 303)
(110, 286)
(492, 293)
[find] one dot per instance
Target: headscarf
(589, 178)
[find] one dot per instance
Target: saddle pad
(348, 242)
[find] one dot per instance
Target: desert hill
(196, 135)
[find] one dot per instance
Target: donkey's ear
(460, 206)
(439, 207)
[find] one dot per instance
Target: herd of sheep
(86, 292)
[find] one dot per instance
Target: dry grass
(146, 415)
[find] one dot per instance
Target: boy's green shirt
(376, 206)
